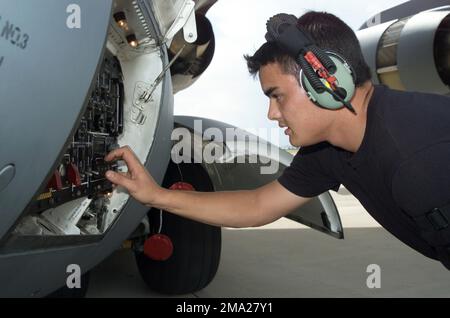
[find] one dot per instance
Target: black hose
(311, 75)
(323, 57)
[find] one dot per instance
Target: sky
(225, 91)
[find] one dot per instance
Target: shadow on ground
(295, 263)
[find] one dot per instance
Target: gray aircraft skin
(79, 80)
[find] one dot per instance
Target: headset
(327, 78)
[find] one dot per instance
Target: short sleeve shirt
(402, 165)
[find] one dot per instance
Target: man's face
(291, 107)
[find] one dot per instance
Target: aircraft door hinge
(185, 20)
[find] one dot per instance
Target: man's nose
(274, 112)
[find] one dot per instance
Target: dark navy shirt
(402, 165)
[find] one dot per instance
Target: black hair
(329, 33)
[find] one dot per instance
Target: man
(392, 153)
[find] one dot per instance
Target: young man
(393, 154)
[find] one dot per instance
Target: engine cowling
(411, 53)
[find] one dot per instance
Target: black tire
(65, 292)
(197, 246)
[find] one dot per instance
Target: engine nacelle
(412, 53)
(195, 57)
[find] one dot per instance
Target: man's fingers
(112, 155)
(118, 153)
(126, 154)
(121, 179)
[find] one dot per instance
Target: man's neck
(347, 130)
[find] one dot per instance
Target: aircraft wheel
(196, 247)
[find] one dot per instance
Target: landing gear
(196, 251)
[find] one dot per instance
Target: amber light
(121, 20)
(132, 40)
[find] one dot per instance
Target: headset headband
(282, 28)
(315, 63)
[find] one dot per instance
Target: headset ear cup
(346, 83)
(308, 88)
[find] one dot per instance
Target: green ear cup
(345, 80)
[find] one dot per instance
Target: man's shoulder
(412, 120)
(312, 171)
(406, 103)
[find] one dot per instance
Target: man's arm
(247, 208)
(229, 209)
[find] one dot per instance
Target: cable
(179, 170)
(323, 57)
(340, 99)
(311, 75)
(160, 221)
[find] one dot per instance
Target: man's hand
(139, 183)
(232, 208)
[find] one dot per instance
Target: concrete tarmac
(285, 259)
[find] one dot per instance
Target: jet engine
(411, 53)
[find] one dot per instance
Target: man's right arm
(247, 208)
